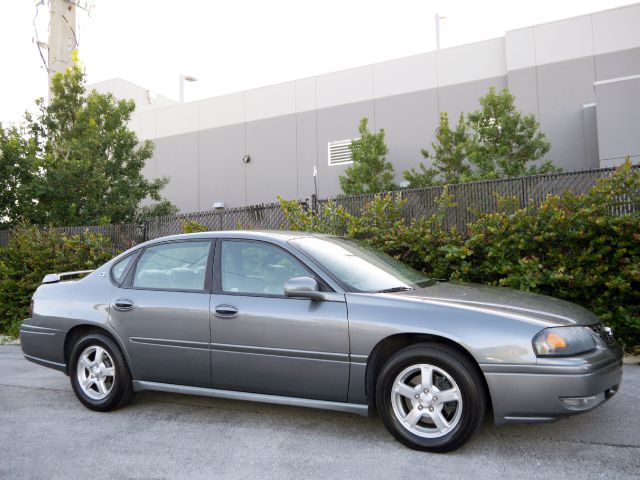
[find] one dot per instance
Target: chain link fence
(470, 198)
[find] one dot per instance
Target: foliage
(572, 246)
(17, 171)
(191, 226)
(503, 140)
(33, 252)
(495, 141)
(449, 157)
(83, 164)
(370, 171)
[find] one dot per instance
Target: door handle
(123, 304)
(225, 311)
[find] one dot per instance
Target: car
(320, 321)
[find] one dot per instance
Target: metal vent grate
(340, 153)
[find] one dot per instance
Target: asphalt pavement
(46, 433)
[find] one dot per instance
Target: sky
(234, 45)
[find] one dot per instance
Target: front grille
(605, 333)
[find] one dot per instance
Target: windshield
(361, 268)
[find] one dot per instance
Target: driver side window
(257, 268)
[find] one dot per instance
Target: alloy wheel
(426, 400)
(96, 372)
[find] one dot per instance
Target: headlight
(563, 341)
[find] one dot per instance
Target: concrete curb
(631, 359)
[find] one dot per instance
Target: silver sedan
(319, 321)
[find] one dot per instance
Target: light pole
(439, 21)
(185, 78)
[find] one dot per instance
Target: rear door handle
(225, 311)
(123, 304)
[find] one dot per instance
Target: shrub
(191, 226)
(31, 253)
(370, 172)
(581, 248)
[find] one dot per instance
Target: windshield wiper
(394, 289)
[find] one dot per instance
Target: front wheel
(430, 397)
(99, 374)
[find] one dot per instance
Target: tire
(99, 374)
(410, 407)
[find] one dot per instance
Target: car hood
(553, 311)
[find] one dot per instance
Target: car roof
(279, 236)
(283, 235)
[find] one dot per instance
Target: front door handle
(225, 311)
(123, 304)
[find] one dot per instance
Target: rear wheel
(430, 397)
(99, 374)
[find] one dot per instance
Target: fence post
(145, 230)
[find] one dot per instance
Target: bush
(31, 253)
(581, 248)
(191, 226)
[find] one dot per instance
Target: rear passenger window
(173, 266)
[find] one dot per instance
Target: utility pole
(63, 38)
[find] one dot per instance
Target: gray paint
(616, 101)
(617, 64)
(306, 152)
(164, 335)
(563, 88)
(273, 169)
(311, 349)
(362, 410)
(221, 170)
(417, 112)
(523, 84)
(176, 157)
(590, 125)
(256, 350)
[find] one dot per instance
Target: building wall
(572, 74)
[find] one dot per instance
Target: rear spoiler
(57, 277)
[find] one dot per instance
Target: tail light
(31, 309)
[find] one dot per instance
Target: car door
(265, 342)
(161, 312)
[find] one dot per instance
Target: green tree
(449, 157)
(17, 175)
(83, 164)
(370, 171)
(504, 141)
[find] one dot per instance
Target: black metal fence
(470, 199)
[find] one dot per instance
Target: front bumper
(536, 393)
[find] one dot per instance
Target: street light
(439, 21)
(185, 78)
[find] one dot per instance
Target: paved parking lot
(46, 433)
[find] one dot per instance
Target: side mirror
(303, 287)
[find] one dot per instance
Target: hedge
(581, 248)
(30, 254)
